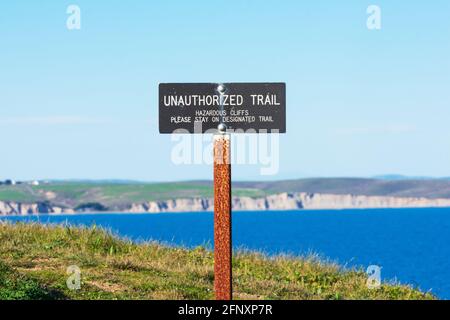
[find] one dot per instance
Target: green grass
(16, 193)
(16, 286)
(152, 192)
(252, 193)
(35, 259)
(69, 190)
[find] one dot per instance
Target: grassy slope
(16, 286)
(34, 259)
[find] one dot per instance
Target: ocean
(412, 246)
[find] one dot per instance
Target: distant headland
(57, 197)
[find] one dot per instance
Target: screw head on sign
(222, 128)
(221, 88)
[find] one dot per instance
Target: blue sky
(83, 103)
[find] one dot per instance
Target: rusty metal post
(222, 218)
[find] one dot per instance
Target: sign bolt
(222, 128)
(221, 88)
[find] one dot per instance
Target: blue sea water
(411, 246)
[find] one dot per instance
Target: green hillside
(72, 194)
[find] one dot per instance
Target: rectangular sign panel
(242, 107)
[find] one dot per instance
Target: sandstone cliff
(15, 208)
(283, 201)
(292, 201)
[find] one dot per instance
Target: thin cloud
(386, 129)
(53, 120)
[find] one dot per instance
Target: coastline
(302, 211)
(277, 202)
